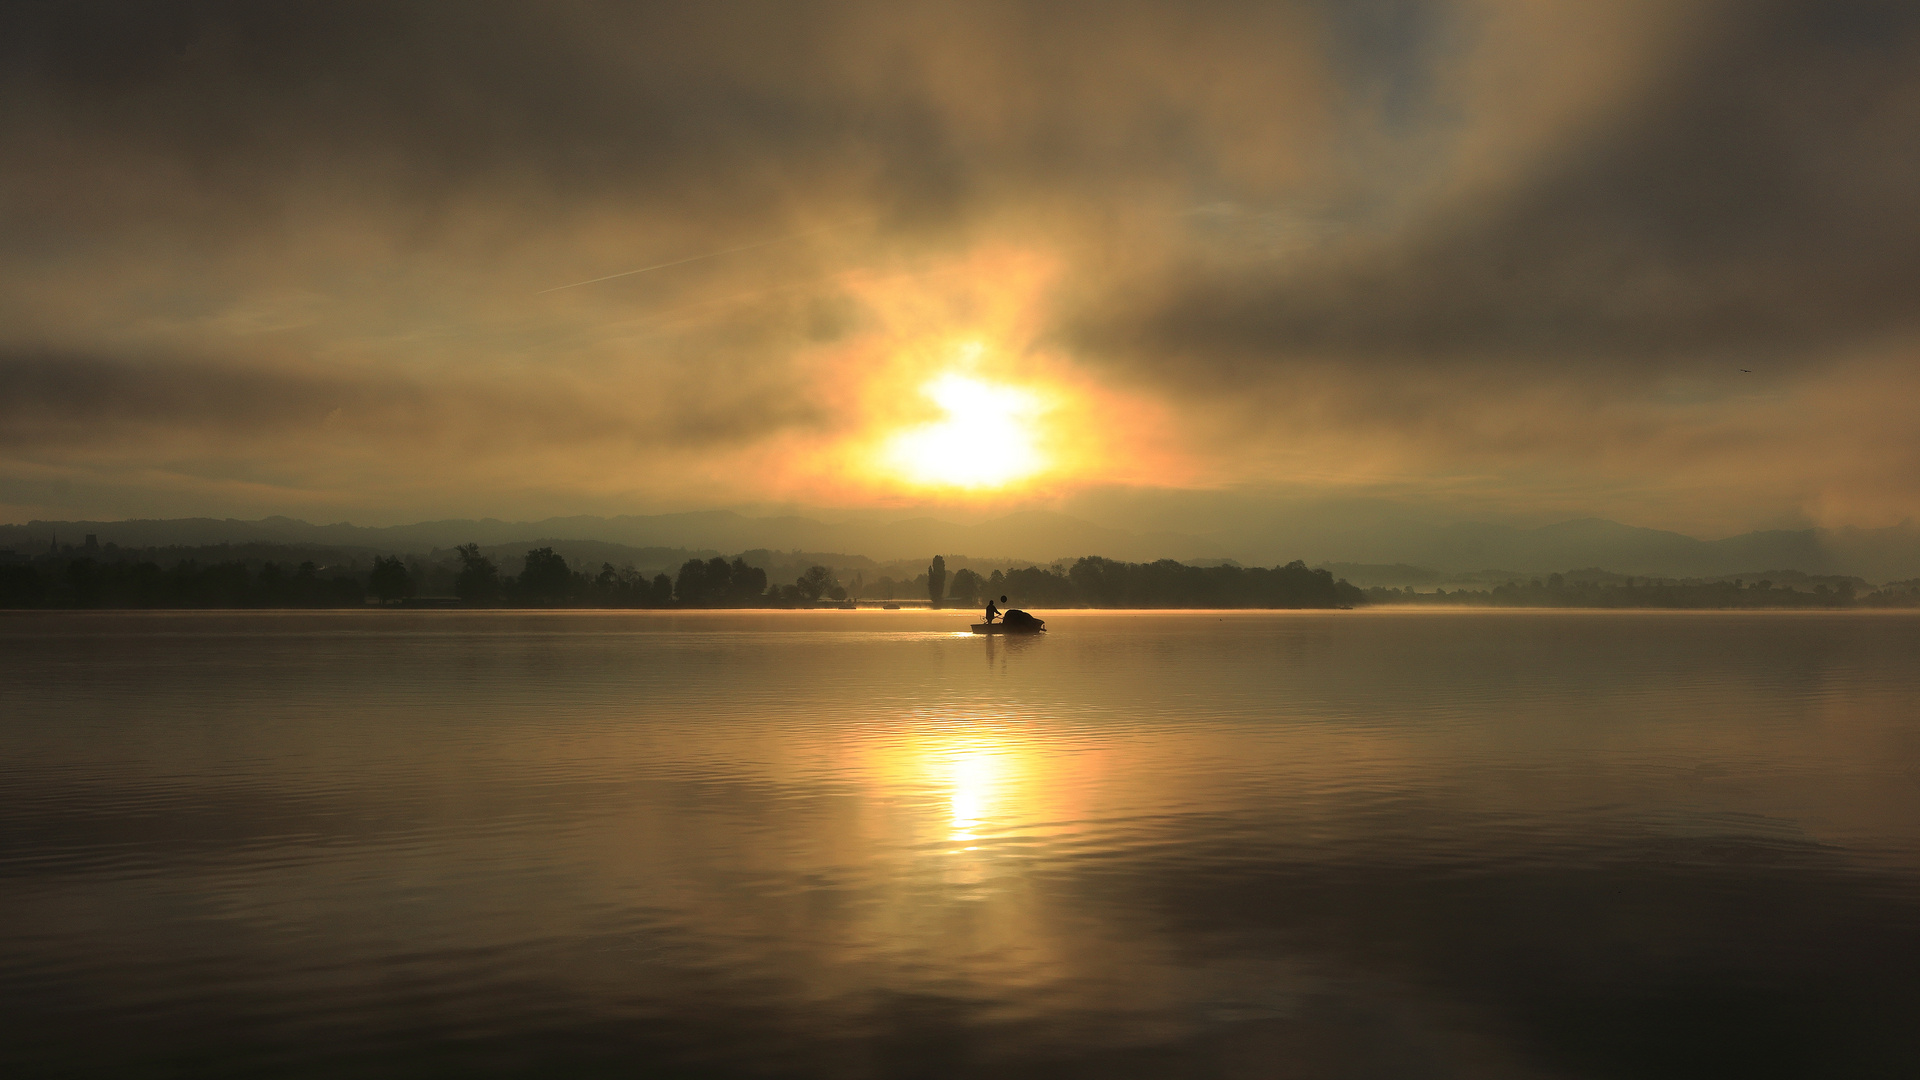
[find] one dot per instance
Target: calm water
(856, 844)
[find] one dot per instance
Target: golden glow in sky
(945, 396)
(1233, 281)
(987, 438)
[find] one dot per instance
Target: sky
(1153, 264)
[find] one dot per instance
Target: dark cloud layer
(1499, 252)
(75, 398)
(1757, 201)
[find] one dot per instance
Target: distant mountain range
(1041, 537)
(1027, 536)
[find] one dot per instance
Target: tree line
(717, 582)
(1106, 583)
(545, 580)
(1557, 591)
(90, 583)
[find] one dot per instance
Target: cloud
(1388, 246)
(1755, 197)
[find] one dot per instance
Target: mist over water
(1359, 843)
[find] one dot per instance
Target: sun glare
(987, 439)
(975, 773)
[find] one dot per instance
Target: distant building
(93, 542)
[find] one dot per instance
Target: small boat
(1013, 622)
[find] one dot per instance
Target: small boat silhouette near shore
(1013, 622)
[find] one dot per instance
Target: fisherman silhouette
(993, 612)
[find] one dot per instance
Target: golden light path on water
(978, 781)
(975, 771)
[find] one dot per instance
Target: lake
(1347, 843)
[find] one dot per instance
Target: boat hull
(1003, 628)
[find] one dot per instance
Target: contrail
(708, 255)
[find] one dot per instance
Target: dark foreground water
(855, 844)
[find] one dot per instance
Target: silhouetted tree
(690, 584)
(694, 587)
(716, 583)
(389, 580)
(545, 579)
(965, 587)
(478, 581)
(613, 587)
(745, 584)
(937, 579)
(815, 583)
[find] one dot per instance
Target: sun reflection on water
(975, 773)
(992, 785)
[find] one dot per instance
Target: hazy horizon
(1042, 538)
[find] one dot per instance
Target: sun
(988, 439)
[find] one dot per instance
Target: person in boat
(993, 612)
